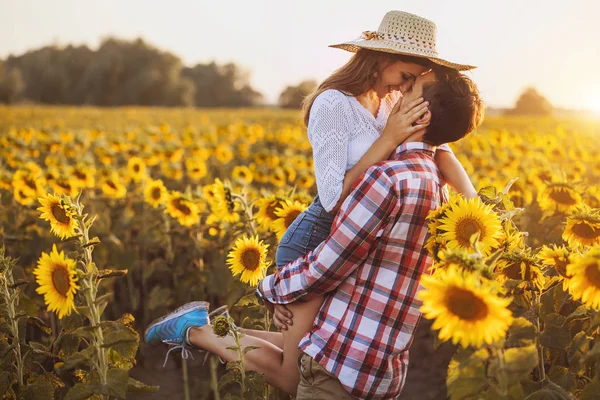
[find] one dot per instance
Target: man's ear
(425, 118)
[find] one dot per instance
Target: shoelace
(177, 345)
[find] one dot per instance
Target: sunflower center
(562, 196)
(465, 305)
(181, 207)
(80, 175)
(592, 273)
(111, 185)
(586, 231)
(466, 228)
(271, 210)
(59, 213)
(291, 217)
(156, 193)
(60, 280)
(136, 168)
(251, 259)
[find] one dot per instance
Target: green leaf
(41, 389)
(227, 379)
(516, 365)
(555, 335)
(562, 377)
(6, 380)
(247, 300)
(250, 348)
(81, 391)
(81, 358)
(466, 374)
(579, 346)
(521, 333)
(547, 300)
(592, 390)
(550, 392)
(580, 313)
(39, 348)
(40, 324)
(67, 345)
(117, 382)
(134, 385)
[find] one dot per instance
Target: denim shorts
(310, 228)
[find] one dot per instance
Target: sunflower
(305, 181)
(584, 283)
(183, 209)
(60, 213)
(136, 168)
(196, 169)
(30, 183)
(520, 265)
(557, 257)
(278, 177)
(266, 210)
(112, 186)
(248, 257)
(560, 197)
(242, 174)
(288, 212)
(465, 308)
(155, 193)
(223, 154)
(65, 186)
(57, 276)
(468, 217)
(23, 196)
(583, 227)
(84, 176)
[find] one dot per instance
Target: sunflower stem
(541, 369)
(12, 301)
(91, 291)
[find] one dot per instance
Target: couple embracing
(349, 266)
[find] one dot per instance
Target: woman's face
(398, 76)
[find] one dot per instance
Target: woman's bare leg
(267, 359)
(275, 338)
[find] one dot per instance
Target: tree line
(121, 73)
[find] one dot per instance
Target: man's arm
(362, 215)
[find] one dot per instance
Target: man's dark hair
(455, 105)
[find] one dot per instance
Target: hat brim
(388, 47)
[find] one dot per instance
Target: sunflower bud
(221, 326)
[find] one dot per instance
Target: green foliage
(121, 73)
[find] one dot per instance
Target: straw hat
(403, 33)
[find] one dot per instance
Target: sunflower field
(110, 218)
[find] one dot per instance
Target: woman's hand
(407, 120)
(282, 317)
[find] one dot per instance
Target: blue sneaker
(173, 328)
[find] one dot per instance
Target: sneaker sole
(194, 305)
(223, 310)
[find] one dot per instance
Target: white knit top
(340, 131)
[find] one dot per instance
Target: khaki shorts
(316, 383)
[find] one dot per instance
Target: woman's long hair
(358, 75)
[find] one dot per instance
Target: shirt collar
(405, 147)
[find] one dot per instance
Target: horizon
(285, 58)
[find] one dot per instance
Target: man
(371, 263)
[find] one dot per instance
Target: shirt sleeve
(362, 215)
(329, 135)
(445, 147)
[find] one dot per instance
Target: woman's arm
(398, 128)
(454, 173)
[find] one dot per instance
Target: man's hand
(282, 317)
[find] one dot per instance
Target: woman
(355, 119)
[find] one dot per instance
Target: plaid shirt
(369, 267)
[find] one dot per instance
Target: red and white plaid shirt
(369, 267)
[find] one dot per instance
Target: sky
(551, 45)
